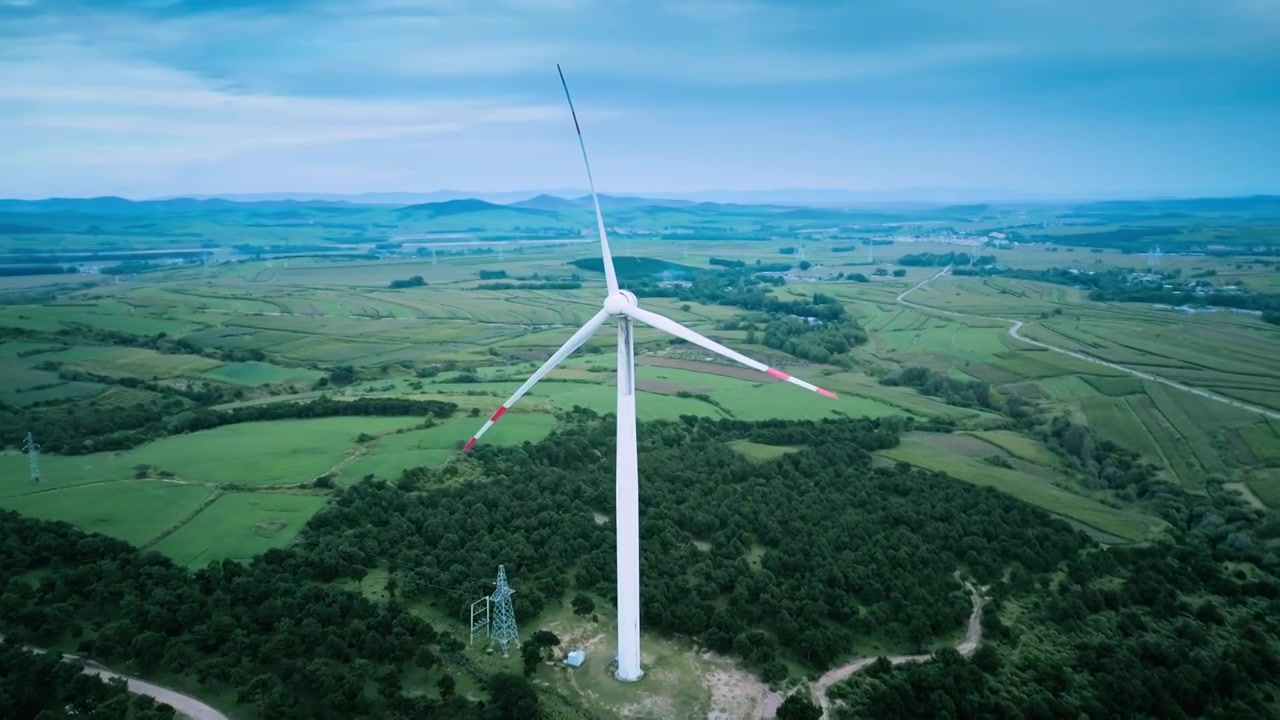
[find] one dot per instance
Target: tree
(805, 265)
(544, 639)
(514, 698)
(446, 683)
(582, 604)
(899, 273)
(797, 707)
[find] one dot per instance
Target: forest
(1160, 632)
(272, 632)
(807, 553)
(1167, 288)
(78, 428)
(801, 558)
(929, 259)
(817, 328)
(40, 685)
(1100, 464)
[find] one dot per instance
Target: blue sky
(148, 98)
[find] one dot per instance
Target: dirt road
(1016, 325)
(187, 706)
(966, 647)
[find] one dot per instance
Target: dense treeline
(1150, 633)
(816, 328)
(808, 553)
(929, 259)
(1123, 285)
(953, 391)
(273, 632)
(727, 263)
(412, 282)
(1125, 239)
(19, 270)
(82, 334)
(88, 427)
(201, 393)
(1097, 462)
(41, 685)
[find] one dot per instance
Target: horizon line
(917, 195)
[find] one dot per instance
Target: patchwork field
(270, 331)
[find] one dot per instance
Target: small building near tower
(576, 658)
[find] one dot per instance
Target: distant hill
(1252, 205)
(391, 198)
(463, 207)
(552, 203)
(111, 205)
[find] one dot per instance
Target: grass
(1019, 446)
(238, 526)
(1265, 484)
(922, 451)
(60, 471)
(135, 511)
(265, 453)
(260, 373)
(389, 455)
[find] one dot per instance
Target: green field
(309, 315)
(155, 348)
(1036, 486)
(135, 511)
(284, 452)
(238, 526)
(390, 455)
(259, 373)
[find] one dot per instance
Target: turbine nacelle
(618, 302)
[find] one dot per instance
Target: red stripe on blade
(470, 442)
(498, 413)
(826, 393)
(778, 374)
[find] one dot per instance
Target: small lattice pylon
(502, 628)
(32, 449)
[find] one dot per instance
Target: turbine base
(618, 676)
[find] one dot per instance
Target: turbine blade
(610, 277)
(672, 327)
(575, 342)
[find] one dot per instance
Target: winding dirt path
(185, 705)
(966, 646)
(1016, 325)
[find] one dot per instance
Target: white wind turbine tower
(622, 306)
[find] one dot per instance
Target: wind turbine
(622, 306)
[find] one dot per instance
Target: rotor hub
(618, 302)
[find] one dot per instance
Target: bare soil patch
(269, 527)
(737, 694)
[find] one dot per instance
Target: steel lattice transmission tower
(32, 449)
(502, 629)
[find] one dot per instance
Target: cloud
(180, 91)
